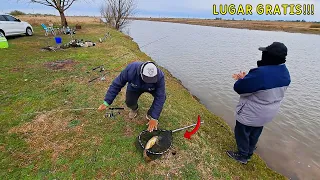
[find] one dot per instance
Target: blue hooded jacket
(131, 75)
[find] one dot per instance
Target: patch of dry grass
(315, 25)
(52, 133)
(61, 64)
(38, 20)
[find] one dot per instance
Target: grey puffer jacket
(261, 92)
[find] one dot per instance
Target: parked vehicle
(10, 26)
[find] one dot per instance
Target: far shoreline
(276, 26)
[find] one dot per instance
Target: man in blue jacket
(141, 77)
(261, 92)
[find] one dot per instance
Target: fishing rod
(77, 109)
(154, 41)
(97, 78)
(60, 110)
(145, 45)
(180, 129)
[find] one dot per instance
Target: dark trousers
(247, 137)
(132, 100)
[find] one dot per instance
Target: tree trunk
(63, 19)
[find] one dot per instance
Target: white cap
(149, 72)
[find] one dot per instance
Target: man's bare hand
(152, 125)
(102, 107)
(241, 75)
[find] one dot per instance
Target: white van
(10, 26)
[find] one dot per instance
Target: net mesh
(165, 141)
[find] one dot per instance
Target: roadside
(84, 144)
(294, 27)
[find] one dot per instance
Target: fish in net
(161, 146)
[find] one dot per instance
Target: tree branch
(68, 6)
(46, 3)
(55, 2)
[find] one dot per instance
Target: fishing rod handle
(116, 108)
(96, 68)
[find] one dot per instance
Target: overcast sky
(165, 8)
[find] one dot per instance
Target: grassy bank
(84, 144)
(294, 27)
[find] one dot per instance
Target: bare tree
(60, 5)
(106, 13)
(117, 12)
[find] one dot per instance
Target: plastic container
(3, 42)
(58, 40)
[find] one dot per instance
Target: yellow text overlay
(264, 9)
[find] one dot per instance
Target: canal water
(204, 59)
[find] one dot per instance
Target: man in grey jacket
(261, 92)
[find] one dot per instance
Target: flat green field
(84, 144)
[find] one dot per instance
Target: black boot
(238, 157)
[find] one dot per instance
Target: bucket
(3, 42)
(58, 40)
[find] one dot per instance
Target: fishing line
(145, 45)
(131, 52)
(219, 125)
(154, 41)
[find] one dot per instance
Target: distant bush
(315, 25)
(17, 13)
(38, 14)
